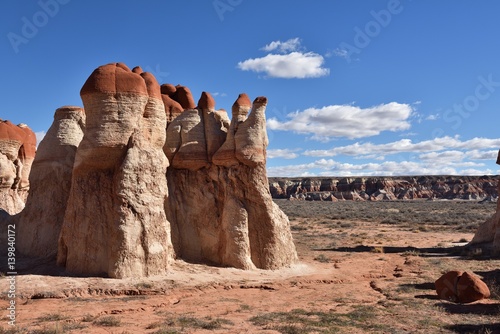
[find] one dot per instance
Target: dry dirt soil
(365, 267)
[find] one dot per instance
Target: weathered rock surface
(115, 222)
(100, 198)
(219, 201)
(386, 188)
(488, 234)
(17, 151)
(50, 182)
(461, 287)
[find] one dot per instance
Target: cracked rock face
(115, 222)
(17, 151)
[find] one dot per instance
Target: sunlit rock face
(143, 175)
(115, 223)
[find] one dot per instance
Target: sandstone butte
(143, 175)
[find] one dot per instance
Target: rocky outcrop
(461, 287)
(488, 234)
(386, 188)
(50, 183)
(219, 201)
(100, 200)
(115, 222)
(17, 151)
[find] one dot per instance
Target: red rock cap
(184, 97)
(206, 101)
(113, 78)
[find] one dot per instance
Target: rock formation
(461, 287)
(50, 182)
(488, 234)
(115, 222)
(219, 201)
(17, 151)
(100, 196)
(386, 188)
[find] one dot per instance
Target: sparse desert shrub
(322, 258)
(107, 322)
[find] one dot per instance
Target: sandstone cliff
(50, 182)
(386, 188)
(17, 151)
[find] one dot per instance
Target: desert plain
(364, 267)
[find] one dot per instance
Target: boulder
(461, 287)
(41, 220)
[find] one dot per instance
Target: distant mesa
(142, 176)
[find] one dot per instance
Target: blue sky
(379, 87)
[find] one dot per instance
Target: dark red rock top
(117, 77)
(20, 133)
(168, 89)
(242, 101)
(9, 131)
(206, 101)
(29, 141)
(184, 97)
(261, 100)
(172, 107)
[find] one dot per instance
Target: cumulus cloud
(432, 117)
(407, 146)
(290, 45)
(346, 121)
(330, 167)
(282, 153)
(289, 61)
(293, 65)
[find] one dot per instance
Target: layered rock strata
(50, 183)
(115, 222)
(17, 152)
(386, 188)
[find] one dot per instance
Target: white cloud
(282, 153)
(293, 65)
(39, 136)
(289, 60)
(432, 117)
(290, 45)
(346, 121)
(330, 167)
(407, 146)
